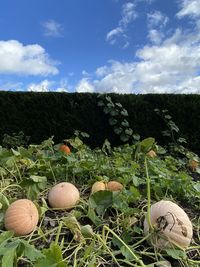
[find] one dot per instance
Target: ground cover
(104, 228)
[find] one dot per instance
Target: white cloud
(16, 58)
(156, 22)
(189, 8)
(84, 86)
(43, 86)
(114, 34)
(157, 19)
(52, 28)
(47, 86)
(169, 67)
(128, 15)
(155, 36)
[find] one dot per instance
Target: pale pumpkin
(98, 186)
(63, 196)
(21, 217)
(114, 186)
(172, 225)
(151, 154)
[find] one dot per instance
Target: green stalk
(54, 178)
(20, 177)
(58, 232)
(140, 262)
(108, 249)
(148, 195)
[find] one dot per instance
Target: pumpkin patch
(52, 213)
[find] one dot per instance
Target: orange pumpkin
(193, 164)
(21, 217)
(64, 148)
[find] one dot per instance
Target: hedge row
(41, 115)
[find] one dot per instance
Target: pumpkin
(152, 154)
(193, 164)
(98, 186)
(172, 225)
(64, 148)
(63, 196)
(114, 186)
(21, 217)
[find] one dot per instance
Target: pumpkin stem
(148, 194)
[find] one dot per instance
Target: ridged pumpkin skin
(98, 186)
(65, 149)
(114, 186)
(173, 224)
(21, 217)
(63, 196)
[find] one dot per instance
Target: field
(105, 228)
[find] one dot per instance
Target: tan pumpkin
(63, 196)
(21, 217)
(172, 223)
(98, 186)
(152, 154)
(114, 186)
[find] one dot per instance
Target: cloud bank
(16, 58)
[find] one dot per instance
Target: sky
(104, 46)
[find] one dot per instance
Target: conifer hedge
(41, 115)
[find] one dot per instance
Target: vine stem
(140, 262)
(148, 195)
(58, 232)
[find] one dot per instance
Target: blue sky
(134, 46)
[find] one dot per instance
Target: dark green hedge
(41, 115)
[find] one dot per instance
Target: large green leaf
(100, 201)
(52, 257)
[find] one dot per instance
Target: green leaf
(129, 131)
(34, 185)
(127, 254)
(29, 251)
(125, 123)
(8, 258)
(53, 257)
(100, 201)
(93, 217)
(106, 110)
(176, 254)
(136, 137)
(87, 231)
(4, 203)
(118, 130)
(124, 137)
(147, 144)
(112, 121)
(114, 112)
(124, 113)
(168, 117)
(5, 236)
